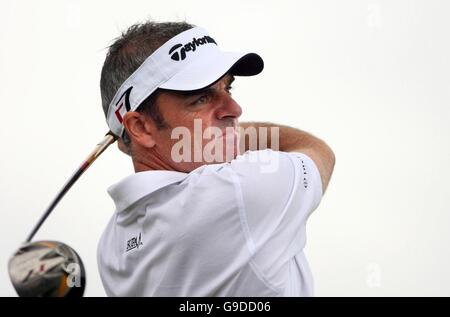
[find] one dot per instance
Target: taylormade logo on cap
(178, 51)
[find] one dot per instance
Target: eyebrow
(206, 90)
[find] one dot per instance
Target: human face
(210, 116)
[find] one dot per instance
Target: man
(200, 218)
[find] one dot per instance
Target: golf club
(51, 268)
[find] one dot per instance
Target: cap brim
(204, 72)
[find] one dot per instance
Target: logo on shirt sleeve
(134, 243)
(305, 181)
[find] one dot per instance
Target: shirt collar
(136, 186)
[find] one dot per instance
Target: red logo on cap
(123, 100)
(117, 113)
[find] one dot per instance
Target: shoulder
(269, 171)
(271, 181)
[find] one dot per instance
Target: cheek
(197, 122)
(190, 118)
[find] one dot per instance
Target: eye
(229, 90)
(200, 100)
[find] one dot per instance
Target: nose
(228, 108)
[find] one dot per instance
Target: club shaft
(107, 140)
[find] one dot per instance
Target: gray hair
(126, 54)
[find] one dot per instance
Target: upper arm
(324, 158)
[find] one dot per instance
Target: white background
(371, 78)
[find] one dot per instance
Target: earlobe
(149, 141)
(139, 129)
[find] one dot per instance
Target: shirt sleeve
(279, 190)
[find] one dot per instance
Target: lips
(228, 133)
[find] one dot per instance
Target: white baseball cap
(189, 61)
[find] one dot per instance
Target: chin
(231, 155)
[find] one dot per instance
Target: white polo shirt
(231, 229)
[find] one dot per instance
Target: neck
(150, 160)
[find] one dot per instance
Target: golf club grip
(107, 140)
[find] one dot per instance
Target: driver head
(47, 269)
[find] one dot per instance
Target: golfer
(215, 207)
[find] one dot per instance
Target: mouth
(228, 134)
(229, 131)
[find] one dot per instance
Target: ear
(139, 128)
